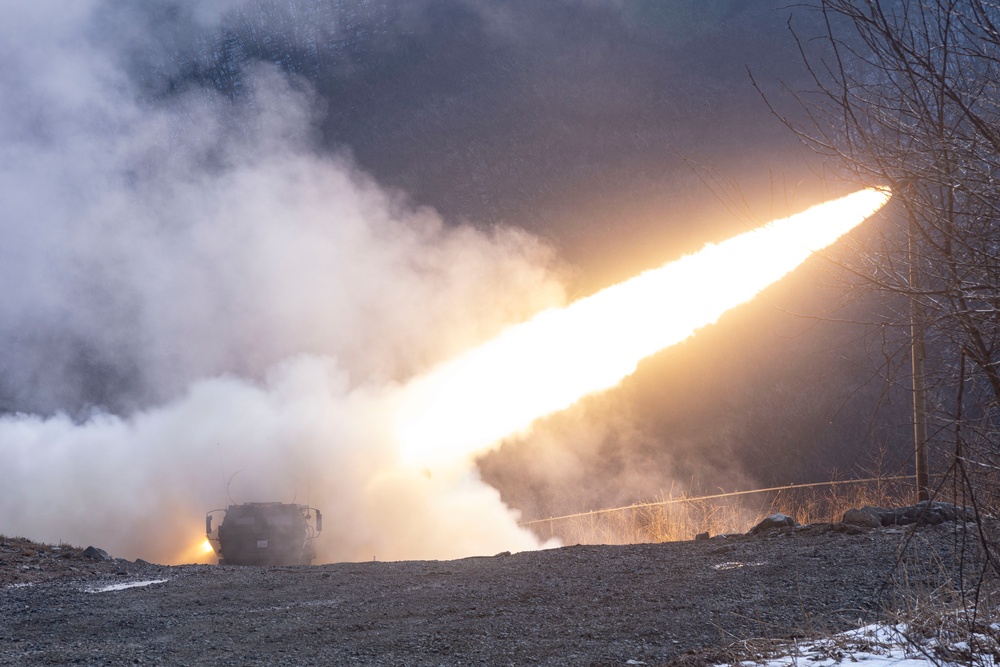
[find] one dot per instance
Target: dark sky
(570, 119)
(625, 134)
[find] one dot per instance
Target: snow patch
(124, 585)
(875, 646)
(735, 565)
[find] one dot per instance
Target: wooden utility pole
(917, 356)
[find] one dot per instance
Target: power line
(674, 501)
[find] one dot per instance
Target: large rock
(96, 554)
(773, 521)
(924, 513)
(866, 518)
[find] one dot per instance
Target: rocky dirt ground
(680, 603)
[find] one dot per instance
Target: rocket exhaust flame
(551, 361)
(367, 467)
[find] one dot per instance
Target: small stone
(94, 553)
(702, 536)
(848, 529)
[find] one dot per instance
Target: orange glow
(548, 363)
(199, 550)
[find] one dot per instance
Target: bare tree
(906, 93)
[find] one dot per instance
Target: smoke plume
(197, 304)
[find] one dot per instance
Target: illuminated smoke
(139, 485)
(240, 299)
(262, 304)
(547, 364)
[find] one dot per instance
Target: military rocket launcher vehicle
(265, 534)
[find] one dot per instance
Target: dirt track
(584, 605)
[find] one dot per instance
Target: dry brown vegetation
(670, 519)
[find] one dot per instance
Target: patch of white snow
(124, 585)
(734, 565)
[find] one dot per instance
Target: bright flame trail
(558, 357)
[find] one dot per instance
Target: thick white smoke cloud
(139, 485)
(256, 300)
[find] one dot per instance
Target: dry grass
(682, 518)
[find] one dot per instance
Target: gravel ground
(655, 604)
